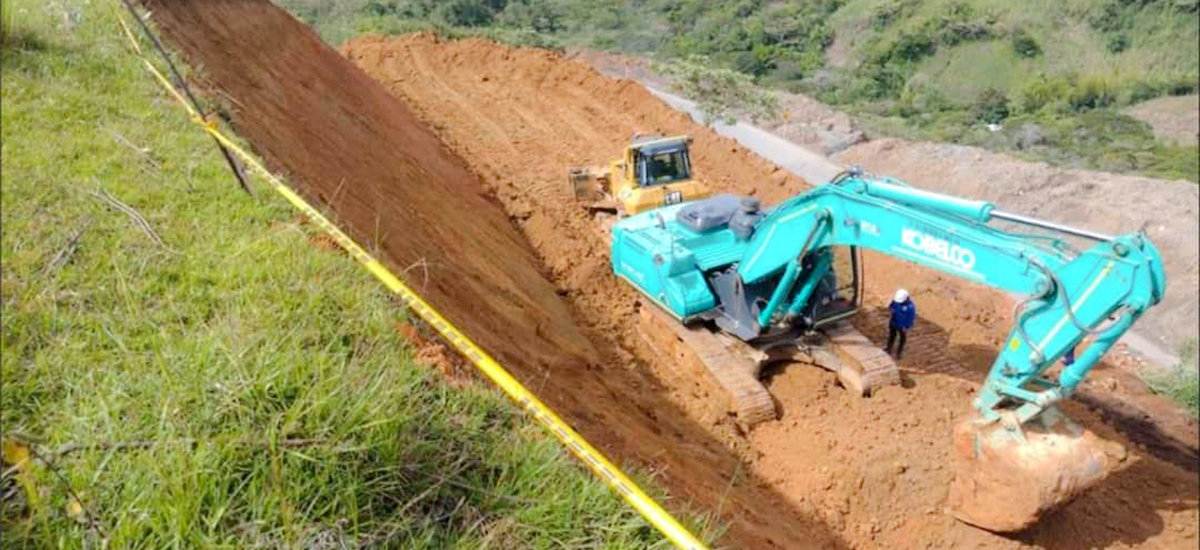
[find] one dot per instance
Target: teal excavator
(733, 280)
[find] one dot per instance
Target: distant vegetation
(1049, 77)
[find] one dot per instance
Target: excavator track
(736, 366)
(701, 351)
(865, 367)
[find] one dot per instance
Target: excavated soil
(852, 472)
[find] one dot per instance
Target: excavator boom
(758, 274)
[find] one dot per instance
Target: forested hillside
(1050, 78)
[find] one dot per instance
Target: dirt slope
(872, 472)
(1174, 119)
(357, 150)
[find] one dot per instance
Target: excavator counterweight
(767, 282)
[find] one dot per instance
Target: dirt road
(873, 473)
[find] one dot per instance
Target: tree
(991, 106)
(721, 94)
(540, 15)
(465, 13)
(1024, 45)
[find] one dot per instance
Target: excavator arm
(1068, 295)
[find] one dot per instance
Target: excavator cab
(839, 293)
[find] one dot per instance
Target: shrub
(720, 93)
(1117, 43)
(1183, 85)
(1140, 91)
(464, 13)
(1092, 93)
(886, 14)
(1039, 93)
(540, 15)
(1024, 45)
(956, 32)
(754, 63)
(991, 106)
(1110, 18)
(912, 46)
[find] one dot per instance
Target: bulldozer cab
(659, 161)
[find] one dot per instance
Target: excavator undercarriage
(736, 366)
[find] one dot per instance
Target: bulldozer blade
(587, 184)
(1007, 477)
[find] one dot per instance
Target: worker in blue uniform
(904, 313)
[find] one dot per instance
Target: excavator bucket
(1006, 478)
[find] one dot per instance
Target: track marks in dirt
(825, 435)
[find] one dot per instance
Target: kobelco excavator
(653, 171)
(737, 283)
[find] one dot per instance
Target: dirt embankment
(873, 473)
(353, 148)
(1175, 119)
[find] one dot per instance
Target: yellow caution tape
(653, 512)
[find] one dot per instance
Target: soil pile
(874, 472)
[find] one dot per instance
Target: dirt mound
(870, 472)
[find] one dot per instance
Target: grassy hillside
(269, 399)
(1053, 75)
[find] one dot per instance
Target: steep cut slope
(355, 149)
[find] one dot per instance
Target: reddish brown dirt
(353, 148)
(873, 472)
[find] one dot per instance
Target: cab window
(662, 168)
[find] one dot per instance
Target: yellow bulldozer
(653, 171)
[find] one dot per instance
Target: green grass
(218, 346)
(1181, 383)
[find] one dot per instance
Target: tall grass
(1181, 383)
(273, 402)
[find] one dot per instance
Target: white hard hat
(901, 295)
